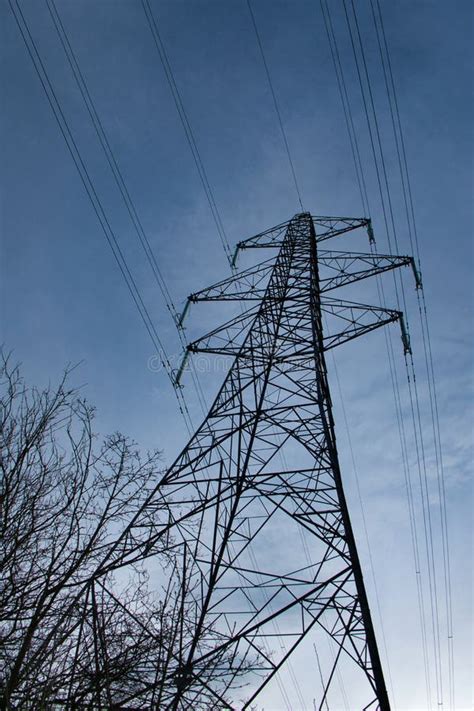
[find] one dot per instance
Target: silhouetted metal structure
(269, 552)
(255, 501)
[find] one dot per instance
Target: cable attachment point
(181, 368)
(405, 336)
(233, 261)
(185, 311)
(370, 232)
(417, 273)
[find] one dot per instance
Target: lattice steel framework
(255, 500)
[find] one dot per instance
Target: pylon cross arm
(344, 268)
(356, 319)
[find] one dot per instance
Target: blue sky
(63, 298)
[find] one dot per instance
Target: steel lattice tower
(258, 505)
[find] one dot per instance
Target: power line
(118, 176)
(413, 233)
(94, 198)
(411, 383)
(346, 105)
(192, 143)
(358, 164)
(109, 153)
(408, 200)
(275, 103)
(119, 179)
(186, 126)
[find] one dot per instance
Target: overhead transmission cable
(412, 384)
(118, 176)
(187, 127)
(190, 138)
(275, 103)
(411, 378)
(375, 138)
(392, 96)
(109, 153)
(346, 105)
(379, 143)
(395, 386)
(355, 149)
(414, 242)
(410, 366)
(95, 200)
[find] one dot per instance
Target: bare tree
(64, 496)
(76, 633)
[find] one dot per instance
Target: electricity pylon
(257, 499)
